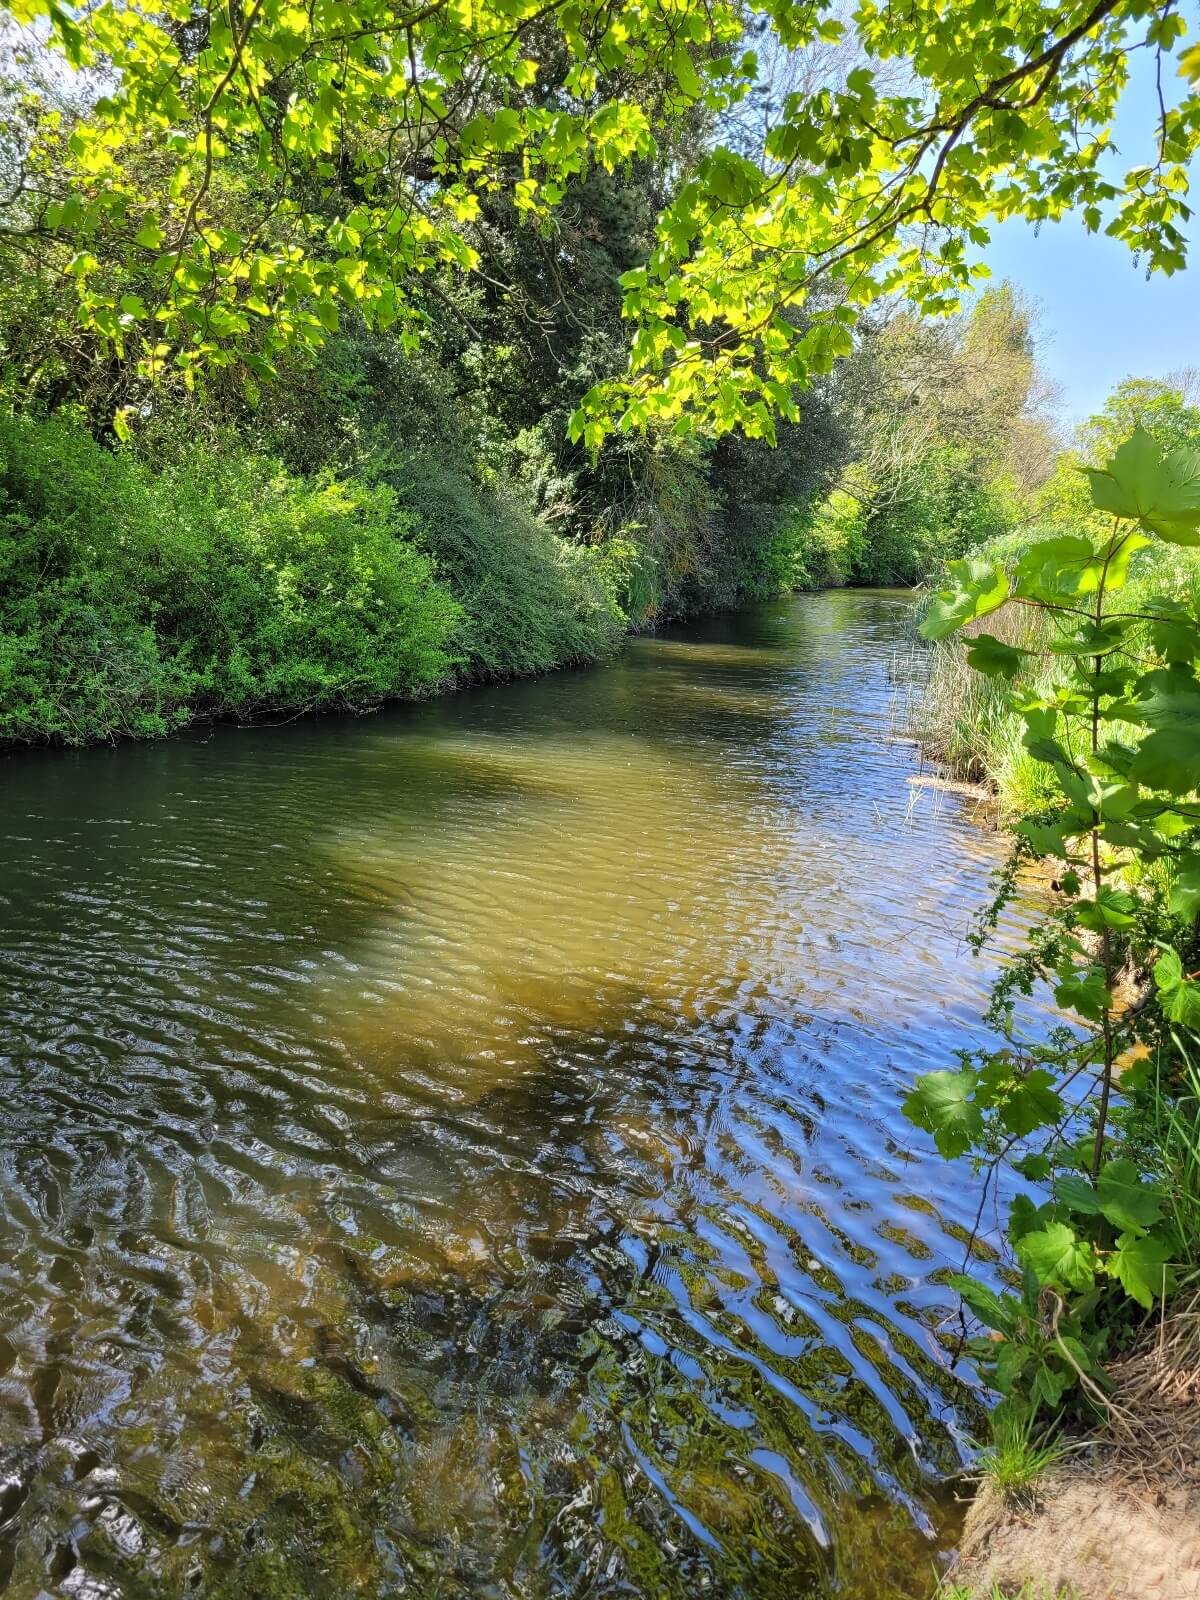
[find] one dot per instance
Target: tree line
(367, 507)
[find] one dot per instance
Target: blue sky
(1101, 320)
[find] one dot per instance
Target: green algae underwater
(458, 1152)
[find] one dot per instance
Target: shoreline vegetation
(380, 527)
(1051, 680)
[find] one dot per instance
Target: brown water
(457, 1152)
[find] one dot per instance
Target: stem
(1106, 951)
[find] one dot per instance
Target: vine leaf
(941, 1103)
(1168, 701)
(993, 657)
(1112, 908)
(976, 588)
(1083, 989)
(1059, 1256)
(1141, 1264)
(1074, 1191)
(1125, 1200)
(1164, 495)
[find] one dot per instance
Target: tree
(948, 438)
(255, 167)
(1157, 405)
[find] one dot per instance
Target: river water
(457, 1152)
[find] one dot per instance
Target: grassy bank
(1064, 674)
(963, 719)
(133, 600)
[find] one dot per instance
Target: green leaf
(1052, 568)
(1176, 639)
(1024, 1216)
(1049, 1384)
(1185, 893)
(1000, 1312)
(941, 1103)
(1049, 839)
(1141, 1264)
(1178, 995)
(1125, 1199)
(976, 588)
(1112, 908)
(1164, 495)
(993, 657)
(1083, 989)
(1090, 640)
(1035, 1166)
(1168, 701)
(1011, 1359)
(1074, 1191)
(686, 76)
(1059, 1256)
(1031, 1104)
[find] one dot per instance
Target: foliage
(900, 538)
(1117, 736)
(1159, 407)
(1017, 1456)
(947, 444)
(240, 180)
(133, 601)
(529, 601)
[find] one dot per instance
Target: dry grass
(1119, 1519)
(1158, 1388)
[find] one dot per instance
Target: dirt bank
(1119, 1518)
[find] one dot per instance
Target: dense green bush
(529, 601)
(132, 601)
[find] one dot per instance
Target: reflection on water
(457, 1153)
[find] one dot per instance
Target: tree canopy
(240, 174)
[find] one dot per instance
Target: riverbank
(1118, 1517)
(222, 586)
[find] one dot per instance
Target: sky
(1101, 320)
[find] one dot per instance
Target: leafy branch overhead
(254, 169)
(1117, 727)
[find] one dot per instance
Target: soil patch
(1119, 1518)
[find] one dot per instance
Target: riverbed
(457, 1152)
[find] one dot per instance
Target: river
(457, 1152)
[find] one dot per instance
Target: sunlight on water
(457, 1153)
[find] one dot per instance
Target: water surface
(457, 1153)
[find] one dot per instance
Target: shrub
(529, 600)
(287, 593)
(131, 602)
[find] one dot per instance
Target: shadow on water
(458, 1152)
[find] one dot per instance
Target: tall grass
(1175, 1142)
(961, 719)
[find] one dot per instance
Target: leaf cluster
(1117, 729)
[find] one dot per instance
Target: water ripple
(458, 1153)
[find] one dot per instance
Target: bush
(131, 602)
(529, 600)
(820, 549)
